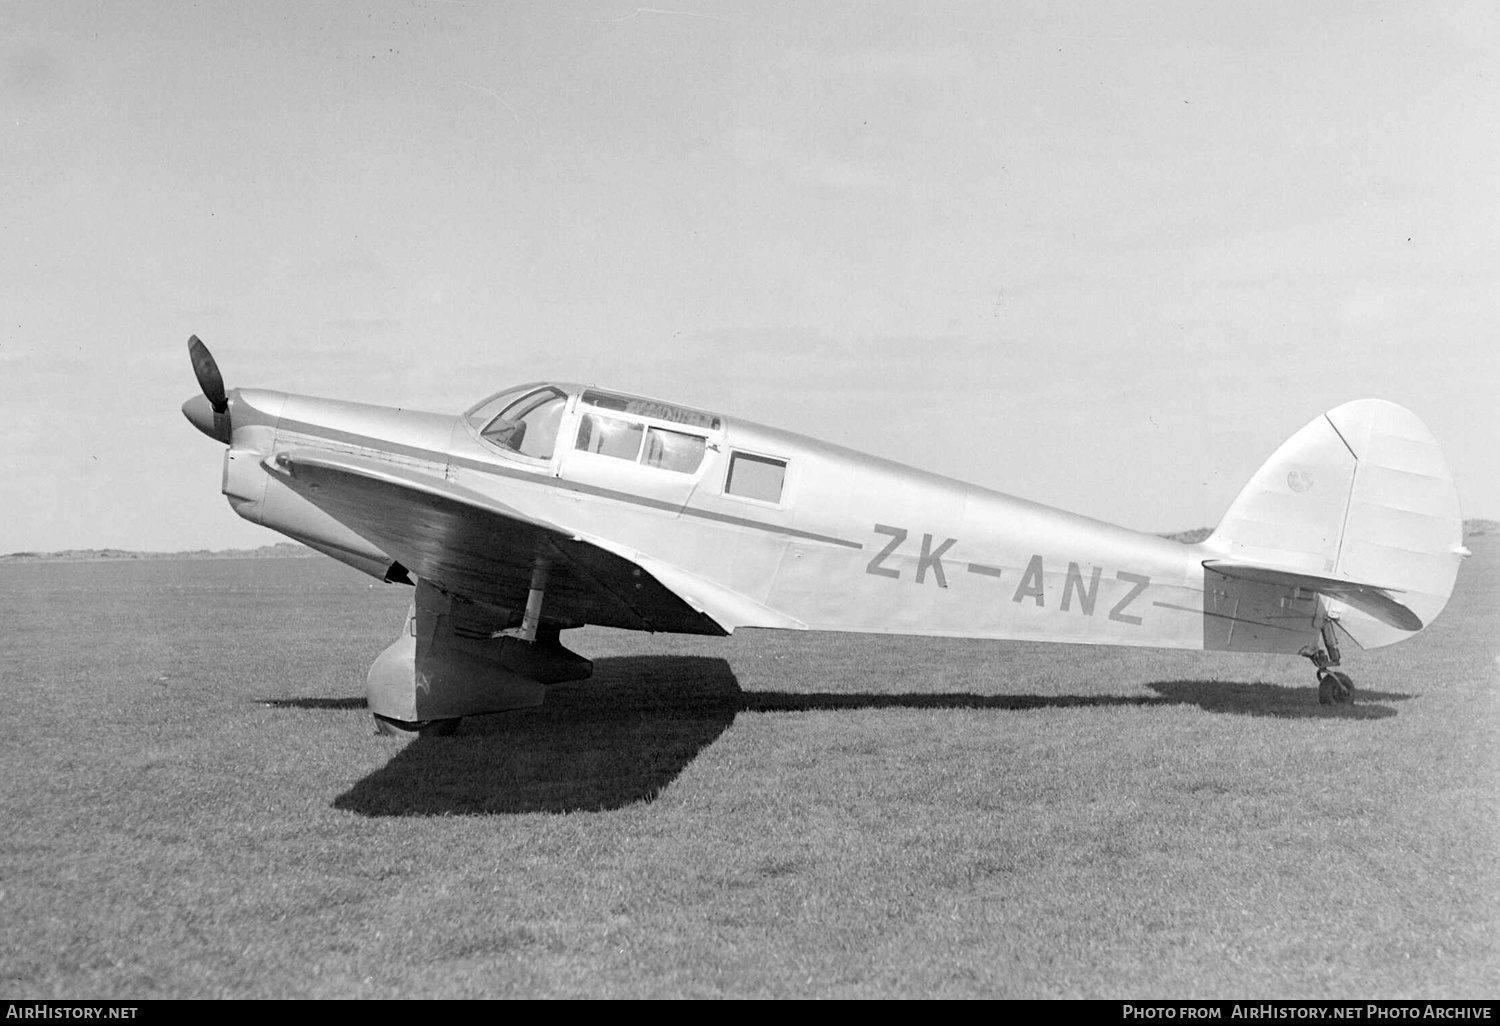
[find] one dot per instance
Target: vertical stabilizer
(1361, 494)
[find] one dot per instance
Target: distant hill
(1192, 537)
(1472, 529)
(281, 550)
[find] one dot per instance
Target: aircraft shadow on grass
(315, 703)
(623, 736)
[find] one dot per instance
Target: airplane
(552, 505)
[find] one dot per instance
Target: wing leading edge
(471, 545)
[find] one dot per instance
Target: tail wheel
(1344, 692)
(1335, 688)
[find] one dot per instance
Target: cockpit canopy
(524, 419)
(528, 419)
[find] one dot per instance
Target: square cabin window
(755, 477)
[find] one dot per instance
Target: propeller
(208, 412)
(207, 372)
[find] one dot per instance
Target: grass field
(193, 804)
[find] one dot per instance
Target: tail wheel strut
(1334, 686)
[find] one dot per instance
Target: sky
(1103, 256)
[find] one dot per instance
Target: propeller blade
(207, 373)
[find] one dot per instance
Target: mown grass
(193, 804)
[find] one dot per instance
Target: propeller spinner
(208, 412)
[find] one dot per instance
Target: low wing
(1371, 599)
(472, 545)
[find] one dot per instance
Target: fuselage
(831, 538)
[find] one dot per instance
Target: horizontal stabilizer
(1372, 599)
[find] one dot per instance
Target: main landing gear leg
(1334, 686)
(432, 676)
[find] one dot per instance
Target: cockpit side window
(609, 436)
(529, 424)
(673, 450)
(678, 451)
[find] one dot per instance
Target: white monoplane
(553, 505)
